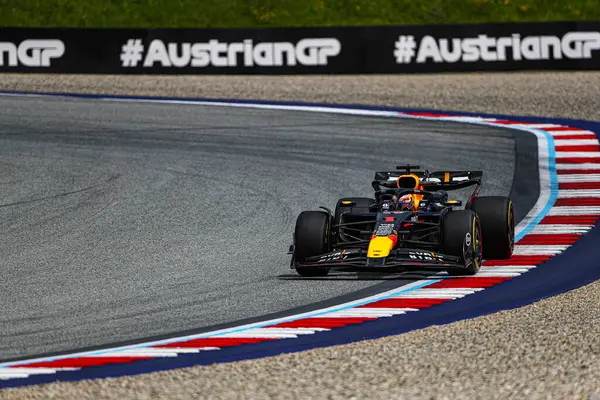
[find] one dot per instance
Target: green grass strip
(285, 13)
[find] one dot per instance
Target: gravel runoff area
(571, 95)
(550, 349)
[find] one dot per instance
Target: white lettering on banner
(573, 45)
(309, 52)
(31, 52)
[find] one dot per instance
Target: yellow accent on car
(346, 202)
(446, 176)
(380, 247)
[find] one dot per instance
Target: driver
(407, 203)
(415, 202)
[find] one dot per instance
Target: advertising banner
(349, 50)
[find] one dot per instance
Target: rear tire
(461, 237)
(497, 217)
(311, 238)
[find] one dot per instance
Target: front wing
(356, 260)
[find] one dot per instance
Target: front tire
(461, 237)
(311, 238)
(497, 217)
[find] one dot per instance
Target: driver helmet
(406, 203)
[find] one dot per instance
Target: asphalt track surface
(121, 221)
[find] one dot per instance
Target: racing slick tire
(461, 237)
(359, 205)
(497, 217)
(311, 238)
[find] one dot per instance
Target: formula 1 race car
(410, 223)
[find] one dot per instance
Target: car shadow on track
(363, 276)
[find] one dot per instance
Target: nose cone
(380, 247)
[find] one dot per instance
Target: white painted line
(436, 293)
(579, 178)
(498, 274)
(14, 376)
(286, 331)
(433, 292)
(577, 154)
(557, 229)
(566, 210)
(365, 313)
(570, 133)
(25, 372)
(507, 268)
(156, 352)
(533, 250)
(6, 375)
(426, 296)
(575, 142)
(279, 333)
(577, 193)
(578, 166)
(491, 273)
(147, 352)
(186, 349)
(367, 307)
(329, 110)
(258, 335)
(532, 125)
(470, 119)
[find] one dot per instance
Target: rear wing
(438, 179)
